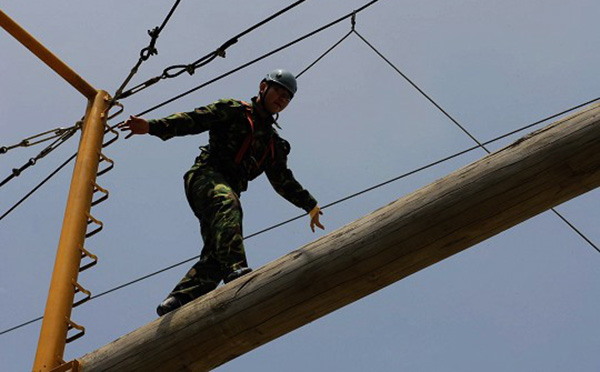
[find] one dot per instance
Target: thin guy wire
(145, 112)
(147, 51)
(421, 91)
(339, 201)
(164, 103)
(325, 206)
(38, 186)
(277, 50)
(576, 230)
(57, 132)
(64, 137)
(219, 52)
(324, 54)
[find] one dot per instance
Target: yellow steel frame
(57, 316)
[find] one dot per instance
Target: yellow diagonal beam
(47, 56)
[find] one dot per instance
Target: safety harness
(250, 138)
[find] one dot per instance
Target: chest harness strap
(250, 138)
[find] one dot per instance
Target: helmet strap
(262, 100)
(262, 96)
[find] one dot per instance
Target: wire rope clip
(97, 188)
(85, 253)
(79, 288)
(72, 325)
(91, 220)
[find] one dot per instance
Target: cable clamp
(190, 69)
(150, 49)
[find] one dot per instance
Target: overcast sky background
(524, 300)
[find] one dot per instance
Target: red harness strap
(250, 138)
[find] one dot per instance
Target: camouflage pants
(218, 208)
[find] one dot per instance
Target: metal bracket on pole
(91, 220)
(110, 142)
(111, 163)
(93, 257)
(97, 188)
(72, 325)
(72, 366)
(79, 288)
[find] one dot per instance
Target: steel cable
(164, 103)
(176, 70)
(339, 201)
(64, 136)
(146, 52)
(479, 144)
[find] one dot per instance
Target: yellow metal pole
(46, 56)
(53, 334)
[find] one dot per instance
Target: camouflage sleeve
(283, 181)
(193, 122)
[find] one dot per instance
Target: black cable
(379, 185)
(277, 50)
(217, 79)
(577, 231)
(324, 54)
(176, 70)
(273, 52)
(38, 186)
(53, 146)
(327, 205)
(21, 325)
(27, 142)
(421, 91)
(147, 51)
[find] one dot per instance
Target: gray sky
(524, 300)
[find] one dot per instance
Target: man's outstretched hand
(314, 218)
(135, 125)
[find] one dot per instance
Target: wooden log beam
(537, 172)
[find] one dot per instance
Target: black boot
(236, 274)
(169, 304)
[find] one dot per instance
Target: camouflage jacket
(228, 126)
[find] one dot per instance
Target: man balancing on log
(242, 145)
